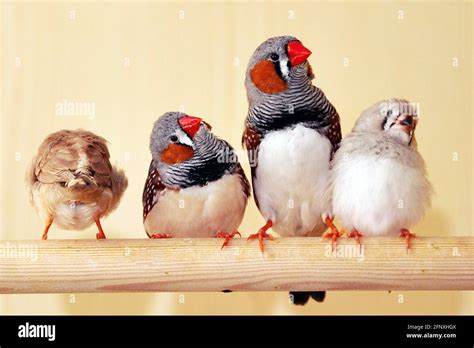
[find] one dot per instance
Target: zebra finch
(291, 133)
(195, 186)
(379, 183)
(72, 183)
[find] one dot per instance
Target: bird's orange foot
(334, 234)
(100, 234)
(161, 236)
(49, 222)
(227, 237)
(356, 235)
(262, 234)
(405, 233)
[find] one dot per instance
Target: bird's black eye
(389, 112)
(174, 138)
(274, 57)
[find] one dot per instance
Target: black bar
(242, 330)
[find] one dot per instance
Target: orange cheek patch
(266, 79)
(176, 153)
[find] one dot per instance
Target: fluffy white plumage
(378, 178)
(291, 195)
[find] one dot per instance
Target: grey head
(394, 118)
(185, 152)
(276, 65)
(167, 131)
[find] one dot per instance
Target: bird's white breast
(199, 211)
(291, 180)
(378, 196)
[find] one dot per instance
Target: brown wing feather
(55, 159)
(251, 140)
(99, 158)
(153, 187)
(333, 132)
(59, 157)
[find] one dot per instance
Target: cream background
(198, 63)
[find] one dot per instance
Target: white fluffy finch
(72, 182)
(195, 185)
(378, 179)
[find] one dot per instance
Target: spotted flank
(153, 187)
(250, 138)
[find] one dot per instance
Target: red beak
(297, 52)
(190, 124)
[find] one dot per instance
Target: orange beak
(190, 124)
(297, 52)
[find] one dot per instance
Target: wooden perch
(73, 266)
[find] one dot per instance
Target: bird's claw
(161, 236)
(100, 235)
(334, 234)
(227, 237)
(356, 235)
(405, 233)
(261, 235)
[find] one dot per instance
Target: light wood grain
(73, 266)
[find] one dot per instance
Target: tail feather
(81, 180)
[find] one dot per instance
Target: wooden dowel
(121, 265)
